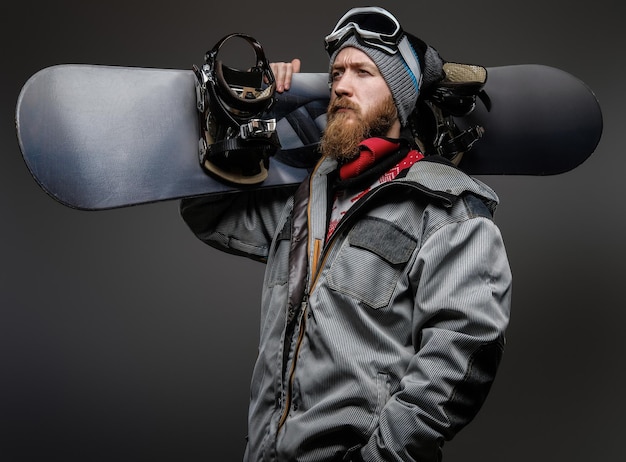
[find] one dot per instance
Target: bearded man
(387, 288)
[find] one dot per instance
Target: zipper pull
(305, 304)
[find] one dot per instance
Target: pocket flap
(384, 239)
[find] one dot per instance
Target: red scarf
(370, 151)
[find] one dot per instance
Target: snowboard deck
(98, 137)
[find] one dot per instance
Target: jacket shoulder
(444, 179)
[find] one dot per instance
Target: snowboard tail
(100, 137)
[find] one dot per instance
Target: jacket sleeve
(240, 223)
(462, 286)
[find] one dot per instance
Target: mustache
(341, 103)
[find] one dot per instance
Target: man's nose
(344, 85)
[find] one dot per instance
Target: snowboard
(98, 137)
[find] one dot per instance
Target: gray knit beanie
(404, 85)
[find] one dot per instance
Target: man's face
(361, 105)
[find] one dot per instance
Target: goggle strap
(411, 60)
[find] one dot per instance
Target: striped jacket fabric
(381, 342)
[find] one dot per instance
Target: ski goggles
(374, 27)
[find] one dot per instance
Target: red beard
(341, 140)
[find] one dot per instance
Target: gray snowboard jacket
(382, 342)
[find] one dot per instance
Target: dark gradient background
(123, 338)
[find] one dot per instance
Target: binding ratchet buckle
(236, 142)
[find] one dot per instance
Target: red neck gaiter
(370, 150)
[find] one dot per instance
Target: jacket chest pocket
(370, 261)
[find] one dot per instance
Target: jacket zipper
(292, 370)
(303, 313)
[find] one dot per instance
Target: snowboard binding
(454, 96)
(236, 142)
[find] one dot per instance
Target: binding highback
(236, 141)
